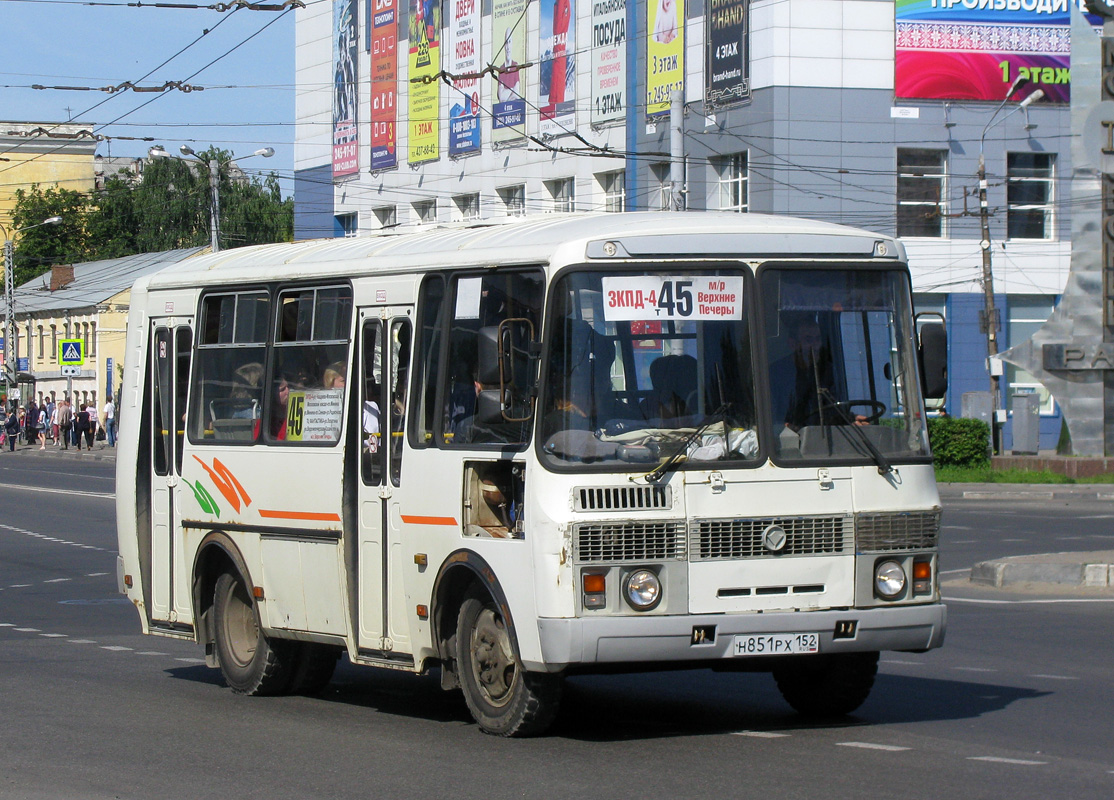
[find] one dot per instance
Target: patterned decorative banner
(384, 84)
(968, 50)
(464, 59)
(508, 87)
(346, 146)
(726, 61)
(557, 76)
(665, 54)
(609, 61)
(425, 85)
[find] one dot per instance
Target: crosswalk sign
(71, 352)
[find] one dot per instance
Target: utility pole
(677, 150)
(9, 319)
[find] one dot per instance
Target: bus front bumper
(650, 639)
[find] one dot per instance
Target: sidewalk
(1026, 491)
(100, 452)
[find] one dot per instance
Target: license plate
(777, 644)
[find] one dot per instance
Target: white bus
(520, 450)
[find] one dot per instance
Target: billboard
(464, 59)
(346, 149)
(508, 83)
(557, 76)
(609, 61)
(424, 85)
(384, 84)
(665, 54)
(726, 69)
(974, 49)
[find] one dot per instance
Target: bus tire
(251, 663)
(827, 686)
(314, 667)
(505, 699)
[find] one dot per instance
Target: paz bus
(519, 450)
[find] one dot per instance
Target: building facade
(872, 113)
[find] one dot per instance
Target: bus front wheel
(251, 662)
(826, 686)
(505, 699)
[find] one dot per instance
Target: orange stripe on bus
(303, 515)
(429, 520)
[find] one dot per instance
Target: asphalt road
(1016, 704)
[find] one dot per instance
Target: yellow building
(49, 154)
(88, 302)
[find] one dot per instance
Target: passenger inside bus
(675, 390)
(334, 377)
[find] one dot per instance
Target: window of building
(468, 205)
(661, 191)
(426, 212)
(53, 342)
(1025, 315)
(92, 339)
(387, 216)
(514, 199)
(731, 176)
(42, 343)
(563, 194)
(613, 186)
(921, 192)
(1030, 178)
(348, 224)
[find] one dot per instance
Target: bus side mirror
(505, 369)
(932, 352)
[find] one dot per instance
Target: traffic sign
(71, 352)
(71, 371)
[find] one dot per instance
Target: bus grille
(910, 530)
(719, 539)
(629, 541)
(621, 498)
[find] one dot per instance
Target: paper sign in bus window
(315, 416)
(656, 297)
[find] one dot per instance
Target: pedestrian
(31, 423)
(110, 422)
(55, 407)
(22, 421)
(11, 428)
(65, 423)
(81, 428)
(93, 421)
(48, 420)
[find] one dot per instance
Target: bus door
(171, 344)
(384, 357)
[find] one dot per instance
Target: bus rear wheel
(252, 663)
(827, 686)
(505, 699)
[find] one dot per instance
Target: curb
(997, 491)
(1090, 570)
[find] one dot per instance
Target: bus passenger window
(372, 451)
(226, 393)
(400, 351)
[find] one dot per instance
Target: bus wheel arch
(215, 555)
(462, 573)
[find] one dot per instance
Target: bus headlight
(889, 579)
(642, 588)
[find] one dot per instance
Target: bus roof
(549, 239)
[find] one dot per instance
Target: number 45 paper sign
(694, 297)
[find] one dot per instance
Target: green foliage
(169, 209)
(959, 442)
(948, 474)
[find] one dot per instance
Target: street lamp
(990, 312)
(188, 154)
(10, 371)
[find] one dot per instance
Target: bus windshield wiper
(884, 467)
(678, 454)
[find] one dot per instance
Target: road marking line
(954, 571)
(899, 661)
(191, 660)
(111, 496)
(54, 635)
(966, 541)
(1056, 677)
(28, 630)
(7, 624)
(890, 748)
(1019, 761)
(94, 574)
(57, 580)
(116, 648)
(1034, 602)
(19, 586)
(1013, 540)
(761, 734)
(974, 669)
(152, 653)
(81, 641)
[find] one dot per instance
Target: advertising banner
(974, 49)
(424, 85)
(557, 76)
(384, 83)
(464, 59)
(665, 54)
(508, 85)
(346, 148)
(726, 68)
(609, 61)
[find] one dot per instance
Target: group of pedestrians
(61, 423)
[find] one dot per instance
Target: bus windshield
(646, 364)
(841, 365)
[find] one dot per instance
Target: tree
(43, 245)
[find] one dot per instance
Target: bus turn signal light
(595, 584)
(922, 577)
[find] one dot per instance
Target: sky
(243, 59)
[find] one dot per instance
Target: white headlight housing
(889, 579)
(642, 589)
